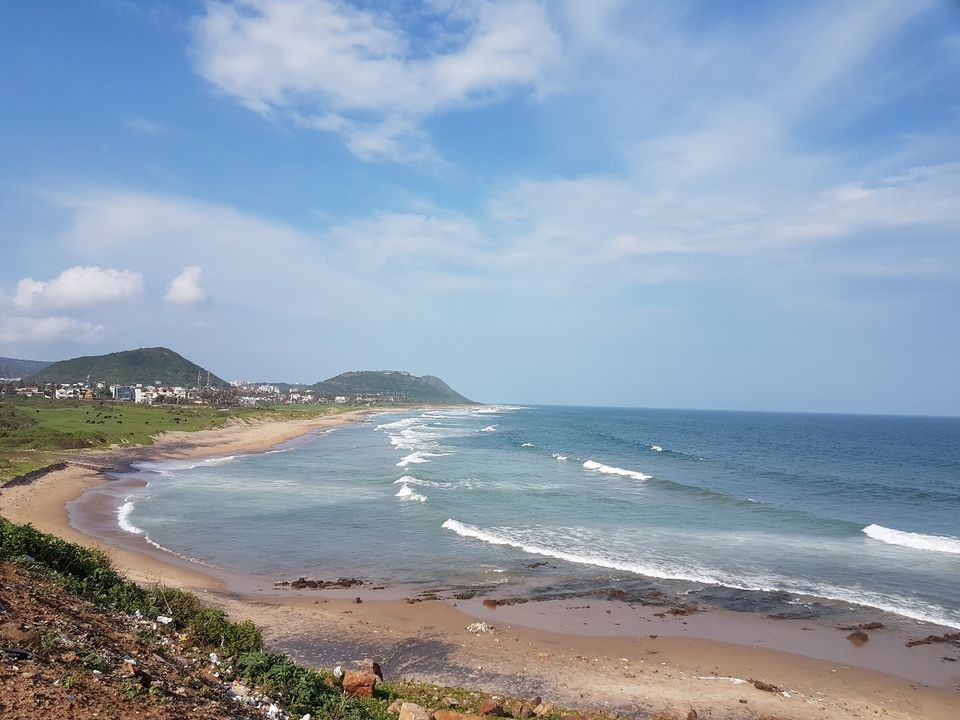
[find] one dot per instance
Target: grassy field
(34, 431)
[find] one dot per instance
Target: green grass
(33, 430)
(88, 573)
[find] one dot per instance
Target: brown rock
(765, 686)
(858, 638)
(490, 707)
(490, 603)
(359, 684)
(394, 707)
(412, 711)
(544, 708)
(14, 634)
(453, 715)
(692, 715)
(69, 657)
(371, 666)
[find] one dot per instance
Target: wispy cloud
(145, 126)
(23, 330)
(358, 73)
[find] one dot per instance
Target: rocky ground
(64, 658)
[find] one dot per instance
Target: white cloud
(36, 330)
(78, 287)
(332, 66)
(147, 127)
(185, 288)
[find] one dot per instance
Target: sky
(746, 205)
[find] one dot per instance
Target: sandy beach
(605, 654)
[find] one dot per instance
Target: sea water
(858, 509)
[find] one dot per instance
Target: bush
(301, 689)
(88, 573)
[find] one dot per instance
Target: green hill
(401, 386)
(145, 365)
(13, 368)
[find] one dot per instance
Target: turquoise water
(859, 509)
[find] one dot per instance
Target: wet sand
(591, 654)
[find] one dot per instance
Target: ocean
(779, 513)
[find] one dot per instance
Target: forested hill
(144, 365)
(399, 385)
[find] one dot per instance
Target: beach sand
(603, 654)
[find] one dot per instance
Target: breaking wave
(610, 470)
(407, 493)
(916, 541)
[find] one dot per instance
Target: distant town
(239, 393)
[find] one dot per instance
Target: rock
(371, 666)
(358, 600)
(452, 715)
(69, 657)
(858, 638)
(238, 690)
(394, 707)
(692, 715)
(536, 701)
(359, 684)
(491, 707)
(12, 632)
(490, 603)
(412, 711)
(765, 686)
(451, 702)
(525, 712)
(544, 708)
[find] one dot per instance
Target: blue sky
(744, 205)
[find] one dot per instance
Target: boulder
(359, 684)
(491, 707)
(394, 707)
(858, 638)
(371, 666)
(412, 711)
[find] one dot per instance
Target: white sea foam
(503, 536)
(610, 470)
(123, 521)
(911, 608)
(123, 517)
(527, 445)
(416, 458)
(411, 480)
(489, 428)
(407, 493)
(917, 541)
(656, 448)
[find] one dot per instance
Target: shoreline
(600, 654)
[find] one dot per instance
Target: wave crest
(917, 541)
(610, 470)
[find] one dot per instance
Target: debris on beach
(949, 638)
(480, 628)
(307, 584)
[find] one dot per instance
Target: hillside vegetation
(80, 640)
(401, 385)
(13, 368)
(129, 367)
